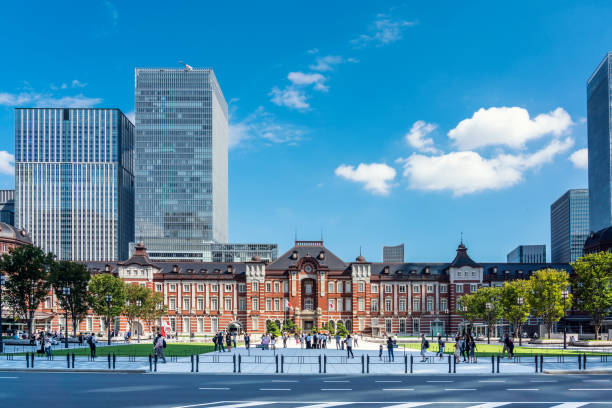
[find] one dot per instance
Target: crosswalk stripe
(325, 405)
(242, 405)
(408, 405)
(570, 405)
(489, 405)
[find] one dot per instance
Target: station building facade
(308, 284)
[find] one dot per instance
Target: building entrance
(308, 325)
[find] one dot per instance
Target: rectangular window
(285, 287)
(348, 287)
(332, 305)
(241, 303)
(473, 287)
(255, 304)
(214, 325)
(361, 287)
(388, 326)
(402, 326)
(48, 302)
(416, 325)
(200, 289)
(388, 289)
(402, 305)
(268, 286)
(276, 287)
(89, 324)
(268, 304)
(172, 305)
(402, 288)
(242, 287)
(255, 287)
(255, 322)
(200, 325)
(361, 304)
(172, 287)
(361, 324)
(228, 287)
(416, 289)
(416, 305)
(173, 324)
(430, 288)
(214, 303)
(308, 288)
(429, 305)
(330, 287)
(186, 288)
(158, 287)
(200, 303)
(388, 304)
(348, 304)
(444, 288)
(459, 288)
(276, 304)
(214, 287)
(374, 303)
(228, 303)
(186, 325)
(340, 286)
(374, 288)
(444, 305)
(186, 304)
(339, 304)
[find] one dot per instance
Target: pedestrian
(214, 339)
(390, 346)
(228, 341)
(302, 341)
(308, 341)
(349, 346)
(160, 344)
(506, 347)
(356, 340)
(47, 346)
(472, 349)
(510, 348)
(440, 347)
(247, 340)
(380, 351)
(285, 338)
(220, 342)
(273, 342)
(91, 340)
(456, 353)
(338, 341)
(424, 347)
(463, 348)
(234, 334)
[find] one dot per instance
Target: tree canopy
(76, 277)
(514, 302)
(102, 285)
(546, 296)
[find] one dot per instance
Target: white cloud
(7, 163)
(326, 63)
(78, 84)
(468, 172)
(416, 137)
(113, 13)
(376, 177)
(315, 79)
(508, 126)
(313, 51)
(384, 30)
(580, 158)
(289, 97)
(47, 100)
(263, 126)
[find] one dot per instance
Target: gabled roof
(139, 257)
(462, 258)
(301, 249)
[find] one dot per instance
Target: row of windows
(214, 303)
(200, 287)
(416, 305)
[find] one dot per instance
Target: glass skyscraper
(569, 225)
(74, 181)
(181, 159)
(599, 117)
(527, 254)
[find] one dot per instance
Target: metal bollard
(276, 358)
(192, 368)
(27, 360)
(283, 363)
(406, 364)
(32, 354)
(368, 366)
(114, 361)
(541, 362)
(198, 363)
(68, 360)
(454, 365)
(155, 363)
(150, 363)
(72, 360)
(579, 362)
(583, 362)
(325, 364)
(411, 363)
(319, 365)
(234, 361)
(108, 356)
(363, 364)
(536, 364)
(239, 363)
(449, 364)
(498, 364)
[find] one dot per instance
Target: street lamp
(564, 295)
(1, 285)
(488, 306)
(464, 309)
(448, 325)
(520, 302)
(109, 299)
(66, 293)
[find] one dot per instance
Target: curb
(72, 370)
(586, 372)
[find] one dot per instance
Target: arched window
(308, 304)
(349, 325)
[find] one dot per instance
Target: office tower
(569, 225)
(216, 252)
(393, 253)
(599, 115)
(7, 206)
(527, 254)
(74, 182)
(181, 159)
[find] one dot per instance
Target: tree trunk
(74, 326)
(597, 332)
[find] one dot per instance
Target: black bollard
(541, 362)
(411, 363)
(368, 364)
(198, 363)
(150, 363)
(192, 368)
(239, 363)
(319, 364)
(114, 361)
(72, 360)
(276, 358)
(68, 360)
(536, 364)
(363, 364)
(406, 365)
(325, 364)
(449, 364)
(498, 364)
(155, 363)
(108, 357)
(28, 360)
(32, 354)
(579, 362)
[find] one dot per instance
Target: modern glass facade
(569, 225)
(164, 249)
(181, 158)
(74, 181)
(527, 254)
(599, 117)
(393, 253)
(7, 206)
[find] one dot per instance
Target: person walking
(338, 338)
(356, 340)
(506, 347)
(247, 340)
(510, 348)
(308, 341)
(390, 346)
(424, 347)
(440, 347)
(349, 346)
(220, 342)
(228, 341)
(302, 341)
(214, 339)
(160, 344)
(234, 335)
(380, 351)
(462, 348)
(91, 340)
(472, 349)
(273, 342)
(456, 353)
(285, 338)
(47, 346)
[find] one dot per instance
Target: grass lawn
(485, 350)
(142, 349)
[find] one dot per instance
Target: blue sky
(371, 122)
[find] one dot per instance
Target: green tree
(467, 307)
(546, 296)
(341, 330)
(155, 308)
(101, 286)
(272, 328)
(593, 287)
(27, 284)
(289, 325)
(331, 327)
(136, 299)
(514, 303)
(487, 307)
(76, 277)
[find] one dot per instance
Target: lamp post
(488, 306)
(520, 302)
(138, 304)
(66, 293)
(448, 322)
(464, 308)
(1, 285)
(564, 295)
(109, 299)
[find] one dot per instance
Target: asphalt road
(260, 391)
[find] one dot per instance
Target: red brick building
(310, 285)
(11, 237)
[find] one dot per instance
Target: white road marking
(489, 405)
(336, 389)
(241, 405)
(570, 405)
(388, 381)
(398, 389)
(440, 381)
(460, 389)
(589, 389)
(582, 380)
(8, 378)
(408, 405)
(492, 381)
(543, 381)
(522, 389)
(213, 388)
(285, 381)
(275, 389)
(336, 381)
(325, 405)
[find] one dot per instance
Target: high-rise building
(599, 118)
(7, 206)
(569, 225)
(527, 254)
(181, 160)
(74, 182)
(393, 253)
(215, 252)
